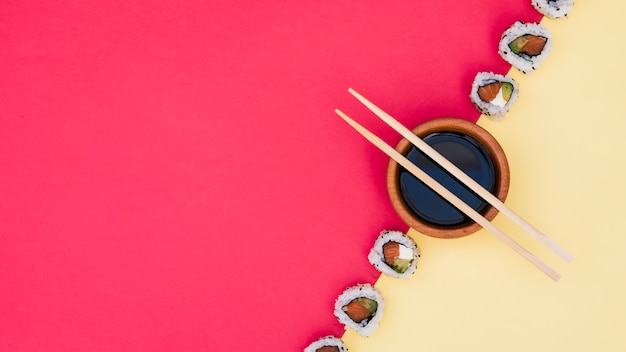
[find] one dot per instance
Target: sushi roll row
(360, 307)
(523, 45)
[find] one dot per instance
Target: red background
(173, 176)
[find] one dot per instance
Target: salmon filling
(398, 256)
(528, 44)
(328, 349)
(496, 93)
(360, 310)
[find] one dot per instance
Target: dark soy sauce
(464, 152)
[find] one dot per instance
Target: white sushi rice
(488, 109)
(377, 258)
(525, 63)
(326, 341)
(365, 328)
(553, 9)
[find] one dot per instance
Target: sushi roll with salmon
(360, 308)
(493, 94)
(394, 254)
(525, 45)
(327, 344)
(553, 9)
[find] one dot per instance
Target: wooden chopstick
(463, 177)
(449, 196)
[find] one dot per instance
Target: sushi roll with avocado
(327, 344)
(553, 9)
(493, 94)
(360, 308)
(394, 254)
(525, 45)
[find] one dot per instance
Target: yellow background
(565, 139)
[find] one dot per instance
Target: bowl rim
(484, 138)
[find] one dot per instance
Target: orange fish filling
(531, 45)
(489, 91)
(328, 349)
(361, 309)
(391, 252)
(497, 93)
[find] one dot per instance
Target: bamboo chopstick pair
(461, 176)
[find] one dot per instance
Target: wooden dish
(493, 149)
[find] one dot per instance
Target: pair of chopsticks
(461, 176)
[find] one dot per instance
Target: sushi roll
(553, 9)
(493, 94)
(525, 45)
(360, 308)
(394, 254)
(327, 344)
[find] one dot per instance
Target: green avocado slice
(507, 91)
(518, 44)
(369, 304)
(400, 265)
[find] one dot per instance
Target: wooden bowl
(397, 185)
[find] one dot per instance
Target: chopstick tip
(341, 114)
(347, 119)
